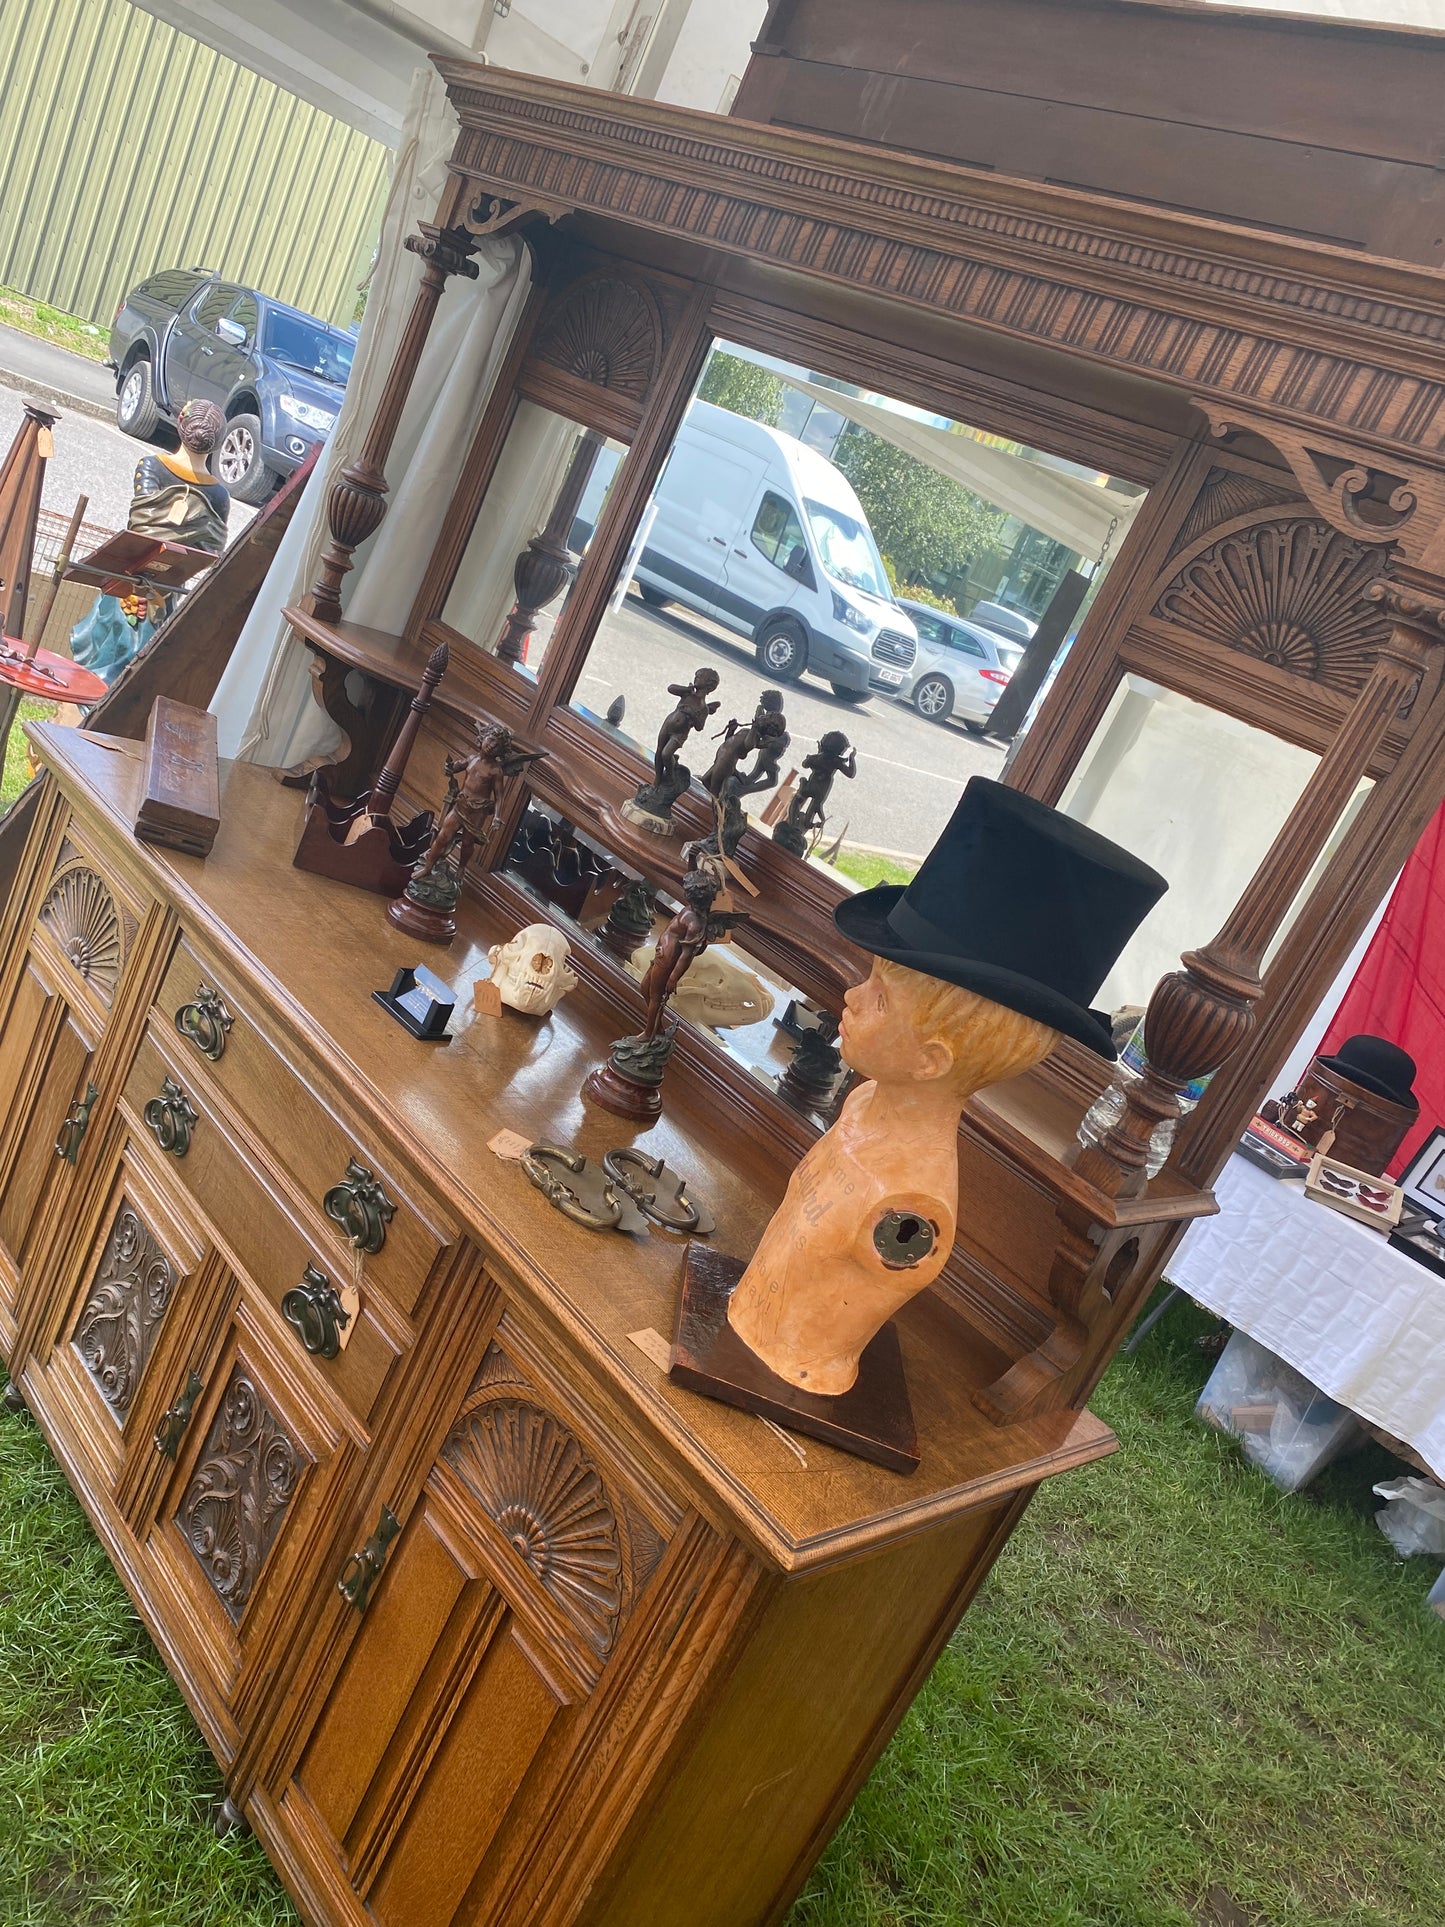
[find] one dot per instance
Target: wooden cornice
(1300, 330)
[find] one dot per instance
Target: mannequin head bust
(200, 425)
(900, 1027)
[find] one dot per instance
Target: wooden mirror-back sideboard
(488, 1621)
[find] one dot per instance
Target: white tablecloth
(1362, 1322)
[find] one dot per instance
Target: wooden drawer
(264, 1238)
(303, 1138)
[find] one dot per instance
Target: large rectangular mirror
(879, 568)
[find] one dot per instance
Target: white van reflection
(767, 537)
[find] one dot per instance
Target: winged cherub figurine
(474, 788)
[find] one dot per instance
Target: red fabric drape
(1399, 989)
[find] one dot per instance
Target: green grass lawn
(1183, 1699)
(16, 775)
(51, 324)
(868, 870)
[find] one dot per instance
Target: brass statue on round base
(629, 1084)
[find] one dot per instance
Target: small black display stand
(421, 1003)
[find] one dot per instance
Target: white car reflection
(960, 669)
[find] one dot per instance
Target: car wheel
(237, 462)
(847, 695)
(135, 404)
(933, 698)
(782, 652)
(654, 598)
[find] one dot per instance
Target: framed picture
(1423, 1180)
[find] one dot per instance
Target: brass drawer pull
(177, 1417)
(172, 1117)
(77, 1122)
(360, 1206)
(206, 1022)
(314, 1309)
(364, 1568)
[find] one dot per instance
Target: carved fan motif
(606, 331)
(1290, 594)
(244, 1480)
(118, 1324)
(81, 915)
(1225, 494)
(547, 1497)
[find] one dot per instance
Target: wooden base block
(873, 1420)
(418, 920)
(618, 1094)
(342, 841)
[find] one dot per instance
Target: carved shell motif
(81, 915)
(606, 331)
(1289, 593)
(118, 1323)
(548, 1499)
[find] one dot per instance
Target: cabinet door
(45, 1056)
(137, 1302)
(474, 1667)
(250, 1467)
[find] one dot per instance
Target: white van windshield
(849, 552)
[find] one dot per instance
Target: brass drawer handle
(177, 1417)
(172, 1117)
(314, 1309)
(77, 1123)
(364, 1568)
(360, 1206)
(206, 1022)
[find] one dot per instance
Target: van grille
(889, 646)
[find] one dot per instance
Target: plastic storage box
(1288, 1427)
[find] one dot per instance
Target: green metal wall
(126, 146)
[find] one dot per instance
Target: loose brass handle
(315, 1310)
(77, 1123)
(206, 1023)
(177, 1417)
(364, 1568)
(360, 1206)
(646, 1180)
(171, 1116)
(593, 1204)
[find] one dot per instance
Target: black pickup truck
(277, 374)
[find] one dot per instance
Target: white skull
(718, 992)
(531, 972)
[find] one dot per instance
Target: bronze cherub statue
(766, 736)
(834, 757)
(652, 805)
(630, 1083)
(474, 789)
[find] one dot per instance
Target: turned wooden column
(383, 793)
(547, 565)
(356, 503)
(1200, 1015)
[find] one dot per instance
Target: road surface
(910, 772)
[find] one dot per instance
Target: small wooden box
(180, 804)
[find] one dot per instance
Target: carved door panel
(102, 1359)
(425, 1777)
(248, 1470)
(45, 1094)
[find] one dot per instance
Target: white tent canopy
(1064, 507)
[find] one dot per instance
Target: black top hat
(1017, 902)
(1383, 1068)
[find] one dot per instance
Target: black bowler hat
(1383, 1068)
(1017, 902)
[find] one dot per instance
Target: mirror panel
(521, 558)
